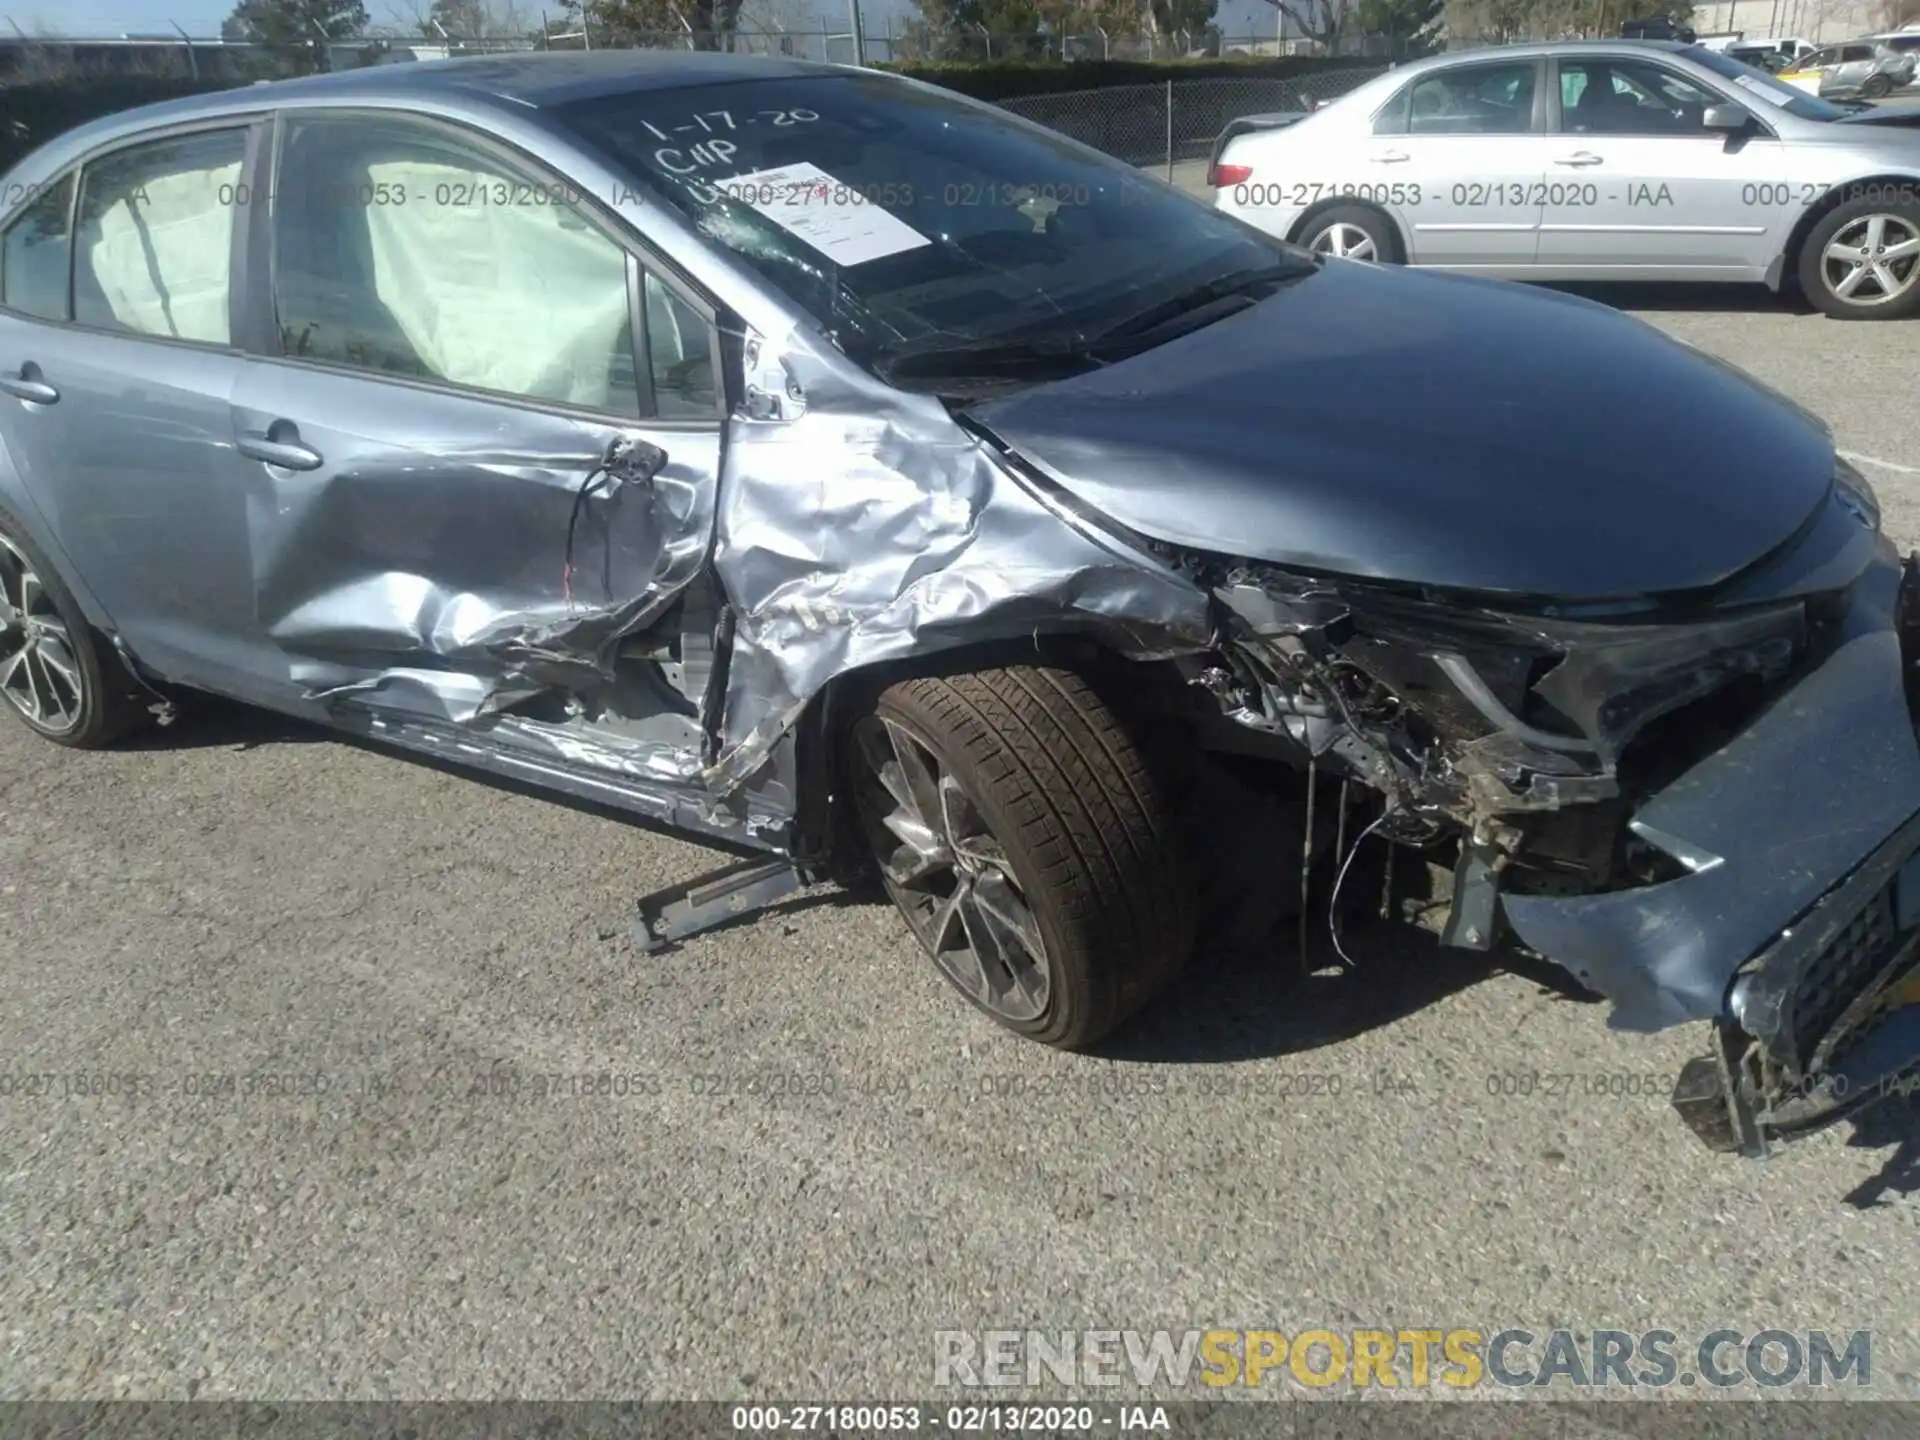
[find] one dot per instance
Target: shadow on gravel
(1249, 1006)
(1895, 1123)
(207, 722)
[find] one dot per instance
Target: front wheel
(1862, 261)
(1878, 87)
(1030, 846)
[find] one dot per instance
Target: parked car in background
(1785, 48)
(1762, 55)
(1657, 28)
(1905, 41)
(1595, 160)
(1857, 70)
(832, 467)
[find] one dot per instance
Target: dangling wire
(1306, 861)
(1333, 905)
(588, 484)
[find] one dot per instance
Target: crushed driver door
(483, 448)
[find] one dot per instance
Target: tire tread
(1088, 818)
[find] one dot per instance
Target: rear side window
(33, 256)
(1481, 100)
(154, 250)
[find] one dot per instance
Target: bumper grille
(1835, 976)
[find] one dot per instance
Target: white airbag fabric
(520, 297)
(161, 255)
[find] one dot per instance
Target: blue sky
(203, 17)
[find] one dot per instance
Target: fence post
(853, 28)
(1169, 132)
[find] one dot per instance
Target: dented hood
(1438, 430)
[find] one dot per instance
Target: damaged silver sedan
(854, 476)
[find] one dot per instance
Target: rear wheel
(1353, 232)
(56, 673)
(1862, 260)
(1031, 848)
(1878, 87)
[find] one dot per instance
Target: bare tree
(1321, 21)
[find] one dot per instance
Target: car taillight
(1220, 176)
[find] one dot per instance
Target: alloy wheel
(1343, 239)
(39, 673)
(1873, 260)
(948, 874)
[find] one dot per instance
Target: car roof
(1530, 51)
(527, 80)
(537, 78)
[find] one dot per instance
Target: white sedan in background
(1595, 160)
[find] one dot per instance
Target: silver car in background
(1595, 160)
(1857, 70)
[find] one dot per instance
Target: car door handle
(28, 385)
(1580, 157)
(280, 445)
(1390, 157)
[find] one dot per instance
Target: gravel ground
(823, 1156)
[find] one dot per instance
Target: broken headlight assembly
(1524, 738)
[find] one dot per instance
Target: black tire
(1818, 276)
(1878, 87)
(1378, 229)
(107, 701)
(1085, 826)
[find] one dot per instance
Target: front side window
(1630, 97)
(904, 218)
(153, 251)
(679, 356)
(403, 250)
(34, 255)
(1478, 100)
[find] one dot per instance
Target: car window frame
(1760, 129)
(256, 124)
(1402, 102)
(69, 177)
(264, 341)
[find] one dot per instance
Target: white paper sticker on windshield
(1769, 93)
(830, 215)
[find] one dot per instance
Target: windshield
(901, 217)
(1762, 86)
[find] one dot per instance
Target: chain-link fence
(1178, 119)
(47, 84)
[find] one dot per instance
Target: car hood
(1897, 120)
(1438, 430)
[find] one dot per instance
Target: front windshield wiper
(1069, 352)
(982, 361)
(1143, 323)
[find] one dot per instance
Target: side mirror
(1727, 116)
